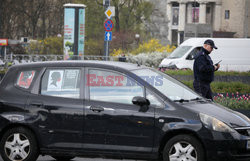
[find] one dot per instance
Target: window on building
(227, 14)
(195, 12)
(208, 10)
(209, 14)
(175, 18)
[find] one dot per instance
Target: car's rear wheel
(19, 144)
(183, 148)
(63, 158)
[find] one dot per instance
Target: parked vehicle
(234, 53)
(115, 110)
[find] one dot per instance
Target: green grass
(225, 87)
(179, 72)
(218, 73)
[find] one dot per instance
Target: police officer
(204, 70)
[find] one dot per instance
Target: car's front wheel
(19, 144)
(183, 148)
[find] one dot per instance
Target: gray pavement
(48, 158)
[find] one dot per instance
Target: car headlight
(215, 124)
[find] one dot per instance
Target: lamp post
(137, 38)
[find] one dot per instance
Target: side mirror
(190, 57)
(142, 102)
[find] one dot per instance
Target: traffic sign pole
(106, 43)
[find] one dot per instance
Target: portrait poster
(55, 80)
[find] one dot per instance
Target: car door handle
(37, 104)
(96, 108)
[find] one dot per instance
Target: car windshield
(167, 85)
(179, 52)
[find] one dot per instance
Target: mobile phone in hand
(218, 63)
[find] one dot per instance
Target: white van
(234, 53)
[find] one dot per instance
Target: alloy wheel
(182, 151)
(17, 147)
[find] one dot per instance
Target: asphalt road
(48, 158)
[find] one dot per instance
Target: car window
(193, 53)
(25, 78)
(153, 99)
(167, 85)
(61, 83)
(179, 52)
(114, 87)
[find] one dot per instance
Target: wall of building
(248, 17)
(236, 21)
(158, 26)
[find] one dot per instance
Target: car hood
(228, 116)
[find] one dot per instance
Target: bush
(94, 47)
(53, 45)
(147, 59)
(118, 52)
(50, 46)
(152, 46)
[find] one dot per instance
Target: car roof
(79, 63)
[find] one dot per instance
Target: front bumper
(227, 147)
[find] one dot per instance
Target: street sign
(108, 36)
(3, 42)
(106, 2)
(108, 25)
(110, 12)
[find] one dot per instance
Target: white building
(207, 18)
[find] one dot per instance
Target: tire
(63, 158)
(182, 148)
(19, 144)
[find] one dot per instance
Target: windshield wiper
(196, 99)
(200, 99)
(181, 100)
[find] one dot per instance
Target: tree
(130, 16)
(30, 10)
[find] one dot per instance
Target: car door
(58, 107)
(112, 121)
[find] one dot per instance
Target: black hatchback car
(115, 110)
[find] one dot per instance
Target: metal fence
(19, 58)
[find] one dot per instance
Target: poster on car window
(55, 80)
(25, 79)
(70, 79)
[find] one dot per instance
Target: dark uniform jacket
(203, 67)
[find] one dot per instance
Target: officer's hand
(216, 67)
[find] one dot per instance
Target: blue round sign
(108, 25)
